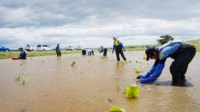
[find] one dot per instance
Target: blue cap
(149, 51)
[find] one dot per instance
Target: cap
(149, 51)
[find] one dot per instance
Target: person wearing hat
(104, 50)
(117, 46)
(181, 52)
(23, 54)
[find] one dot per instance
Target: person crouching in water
(104, 50)
(23, 54)
(90, 52)
(182, 53)
(83, 52)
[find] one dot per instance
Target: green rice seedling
(18, 78)
(25, 73)
(117, 109)
(118, 86)
(137, 71)
(130, 61)
(144, 57)
(21, 64)
(132, 91)
(73, 63)
(23, 81)
(89, 61)
(140, 66)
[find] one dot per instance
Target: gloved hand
(139, 76)
(124, 50)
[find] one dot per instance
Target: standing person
(23, 54)
(182, 53)
(117, 46)
(58, 52)
(104, 50)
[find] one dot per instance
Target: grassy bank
(138, 47)
(4, 55)
(196, 43)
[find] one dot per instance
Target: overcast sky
(92, 23)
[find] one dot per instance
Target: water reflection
(53, 85)
(179, 99)
(169, 83)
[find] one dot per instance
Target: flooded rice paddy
(93, 84)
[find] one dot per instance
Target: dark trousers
(182, 57)
(118, 50)
(92, 52)
(105, 52)
(58, 53)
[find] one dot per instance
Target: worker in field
(83, 52)
(118, 48)
(23, 54)
(104, 50)
(58, 52)
(181, 52)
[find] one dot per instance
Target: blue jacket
(23, 55)
(114, 46)
(155, 71)
(102, 50)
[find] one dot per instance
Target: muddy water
(53, 85)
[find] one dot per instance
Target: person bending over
(182, 53)
(104, 50)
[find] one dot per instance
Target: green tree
(164, 39)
